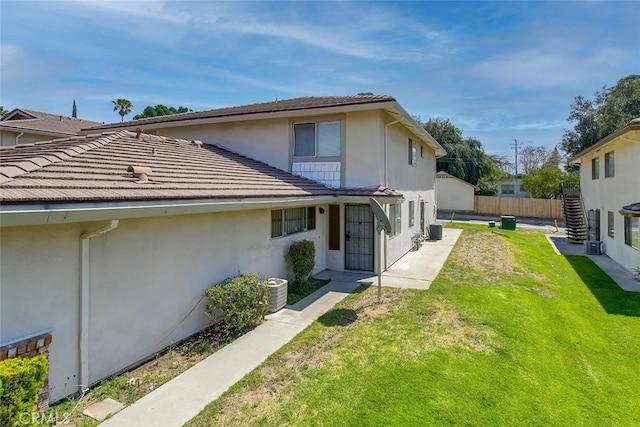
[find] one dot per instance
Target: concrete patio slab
(623, 277)
(101, 410)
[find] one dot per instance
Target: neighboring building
(22, 126)
(454, 194)
(511, 187)
(610, 186)
(124, 232)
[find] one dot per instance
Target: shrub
(301, 257)
(244, 300)
(20, 381)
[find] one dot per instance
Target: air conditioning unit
(277, 294)
(592, 247)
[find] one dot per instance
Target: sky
(499, 71)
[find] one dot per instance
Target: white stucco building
(118, 234)
(454, 194)
(610, 186)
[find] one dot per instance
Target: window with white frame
(413, 152)
(632, 231)
(318, 139)
(610, 222)
(411, 213)
(395, 218)
(595, 168)
(292, 220)
(609, 165)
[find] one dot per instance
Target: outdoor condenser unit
(592, 247)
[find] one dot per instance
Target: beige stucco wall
(610, 194)
(454, 195)
(264, 140)
(416, 183)
(364, 149)
(9, 138)
(145, 277)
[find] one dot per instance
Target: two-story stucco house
(365, 141)
(610, 186)
(22, 126)
(109, 240)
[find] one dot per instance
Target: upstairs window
(609, 165)
(320, 139)
(413, 153)
(595, 168)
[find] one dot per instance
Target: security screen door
(359, 235)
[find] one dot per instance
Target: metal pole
(379, 265)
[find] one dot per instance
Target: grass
(509, 334)
(296, 293)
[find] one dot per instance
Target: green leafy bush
(244, 300)
(301, 258)
(20, 381)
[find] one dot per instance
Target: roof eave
(410, 123)
(34, 131)
(633, 125)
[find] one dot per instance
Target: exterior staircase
(574, 215)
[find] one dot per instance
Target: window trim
(513, 189)
(609, 164)
(412, 214)
(595, 168)
(279, 216)
(413, 153)
(395, 219)
(315, 148)
(611, 224)
(628, 231)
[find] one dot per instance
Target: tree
(122, 106)
(545, 183)
(465, 157)
(74, 110)
(3, 112)
(488, 183)
(533, 158)
(160, 110)
(610, 109)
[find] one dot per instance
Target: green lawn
(509, 334)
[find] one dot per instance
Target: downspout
(18, 137)
(84, 300)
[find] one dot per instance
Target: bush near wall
(301, 257)
(243, 299)
(20, 381)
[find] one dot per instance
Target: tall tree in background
(533, 158)
(610, 109)
(465, 157)
(74, 110)
(545, 183)
(160, 110)
(122, 106)
(3, 112)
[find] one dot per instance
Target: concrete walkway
(180, 399)
(618, 273)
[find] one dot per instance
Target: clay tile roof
(21, 119)
(264, 107)
(379, 191)
(94, 168)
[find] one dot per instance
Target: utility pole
(515, 146)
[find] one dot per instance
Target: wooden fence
(518, 207)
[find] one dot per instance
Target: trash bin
(508, 222)
(435, 232)
(492, 224)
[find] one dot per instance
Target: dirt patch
(485, 250)
(446, 328)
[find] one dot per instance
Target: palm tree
(123, 106)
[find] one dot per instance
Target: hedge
(20, 381)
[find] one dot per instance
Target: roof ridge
(12, 169)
